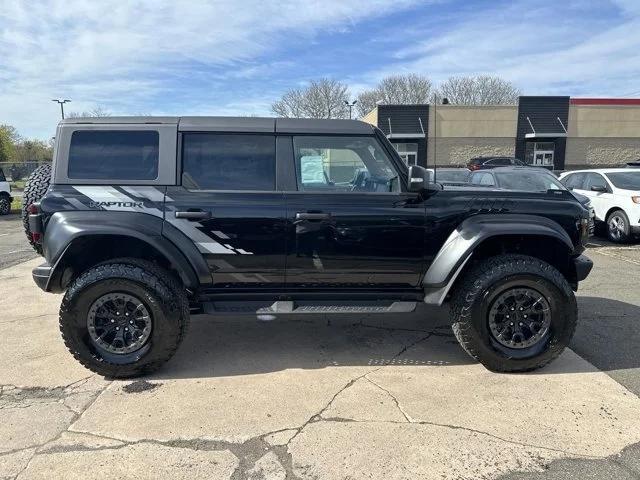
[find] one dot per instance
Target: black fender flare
(459, 246)
(65, 228)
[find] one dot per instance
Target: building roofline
(605, 101)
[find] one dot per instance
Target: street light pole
(61, 102)
(350, 105)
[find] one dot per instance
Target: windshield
(529, 181)
(625, 180)
(458, 175)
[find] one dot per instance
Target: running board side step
(287, 307)
(292, 307)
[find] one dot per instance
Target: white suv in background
(5, 195)
(615, 196)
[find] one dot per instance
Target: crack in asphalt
(395, 400)
(247, 452)
(56, 391)
(251, 450)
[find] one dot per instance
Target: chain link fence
(16, 171)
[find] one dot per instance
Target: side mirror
(598, 188)
(420, 180)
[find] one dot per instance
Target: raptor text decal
(116, 204)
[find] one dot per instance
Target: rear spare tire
(34, 189)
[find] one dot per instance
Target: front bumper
(583, 266)
(41, 275)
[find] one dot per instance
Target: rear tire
(618, 228)
(34, 189)
(96, 303)
(486, 333)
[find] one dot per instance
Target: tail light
(35, 222)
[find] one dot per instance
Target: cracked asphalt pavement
(349, 397)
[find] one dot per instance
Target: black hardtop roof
(238, 124)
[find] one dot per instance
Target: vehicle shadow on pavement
(608, 333)
(242, 345)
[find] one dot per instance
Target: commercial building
(560, 133)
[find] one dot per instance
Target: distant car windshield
(625, 180)
(457, 175)
(529, 181)
(2, 177)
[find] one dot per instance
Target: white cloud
(533, 45)
(122, 54)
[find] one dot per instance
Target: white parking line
(610, 253)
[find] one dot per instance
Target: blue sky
(235, 57)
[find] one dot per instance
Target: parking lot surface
(326, 398)
(13, 244)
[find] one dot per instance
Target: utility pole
(350, 105)
(61, 102)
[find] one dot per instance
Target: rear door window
(213, 161)
(501, 161)
(114, 154)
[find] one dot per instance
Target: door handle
(194, 215)
(312, 216)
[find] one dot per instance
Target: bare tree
(396, 89)
(480, 90)
(324, 98)
(94, 112)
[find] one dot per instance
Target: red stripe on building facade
(605, 101)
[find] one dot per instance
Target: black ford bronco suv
(144, 221)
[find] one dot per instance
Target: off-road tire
(471, 303)
(162, 294)
(34, 189)
(625, 236)
(5, 205)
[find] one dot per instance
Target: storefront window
(540, 154)
(408, 152)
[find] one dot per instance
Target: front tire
(514, 313)
(5, 206)
(124, 318)
(618, 228)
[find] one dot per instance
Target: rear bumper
(41, 275)
(583, 265)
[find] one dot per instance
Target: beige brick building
(560, 133)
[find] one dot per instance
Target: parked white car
(615, 196)
(5, 195)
